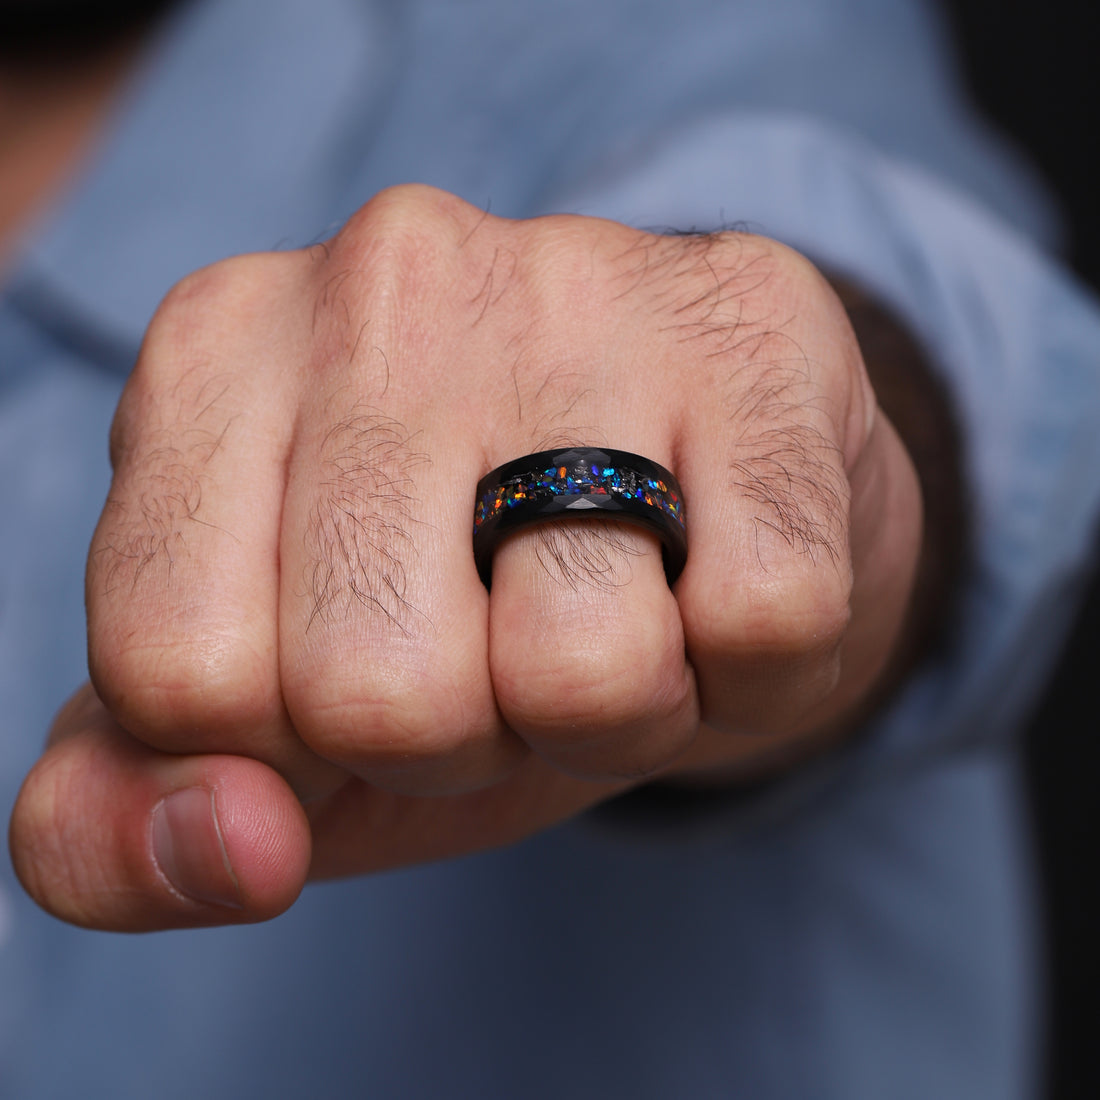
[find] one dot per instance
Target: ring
(585, 482)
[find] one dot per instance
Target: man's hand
(297, 670)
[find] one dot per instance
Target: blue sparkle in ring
(574, 483)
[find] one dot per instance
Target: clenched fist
(297, 669)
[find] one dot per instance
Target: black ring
(584, 482)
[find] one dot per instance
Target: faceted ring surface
(584, 482)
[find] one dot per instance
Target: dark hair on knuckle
(498, 278)
(359, 535)
(162, 474)
(586, 554)
(794, 473)
(695, 284)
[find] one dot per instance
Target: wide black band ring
(579, 482)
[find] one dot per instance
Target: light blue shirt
(864, 929)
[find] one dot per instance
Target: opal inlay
(579, 480)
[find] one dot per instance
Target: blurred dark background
(1035, 69)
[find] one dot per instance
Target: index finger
(182, 581)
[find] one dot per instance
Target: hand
(297, 669)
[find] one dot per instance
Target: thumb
(108, 833)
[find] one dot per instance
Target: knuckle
(589, 692)
(392, 260)
(413, 210)
(212, 300)
(796, 289)
(770, 664)
(564, 270)
(619, 732)
(583, 689)
(414, 246)
(790, 618)
(208, 692)
(790, 276)
(400, 237)
(191, 350)
(791, 266)
(398, 723)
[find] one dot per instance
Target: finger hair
(704, 288)
(158, 491)
(358, 537)
(587, 554)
